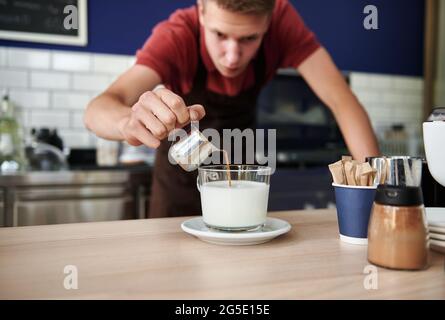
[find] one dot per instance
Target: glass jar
(12, 153)
(397, 233)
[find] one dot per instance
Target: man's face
(232, 39)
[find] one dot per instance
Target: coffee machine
(433, 181)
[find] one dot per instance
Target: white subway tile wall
(32, 59)
(3, 59)
(110, 64)
(14, 78)
(50, 80)
(70, 100)
(77, 120)
(41, 118)
(392, 100)
(52, 88)
(90, 82)
(30, 98)
(72, 61)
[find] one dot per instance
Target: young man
(213, 59)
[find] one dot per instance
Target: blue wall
(397, 47)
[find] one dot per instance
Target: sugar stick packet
(337, 172)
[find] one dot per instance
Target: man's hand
(155, 115)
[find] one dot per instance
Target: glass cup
(238, 204)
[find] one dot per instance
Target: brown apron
(173, 191)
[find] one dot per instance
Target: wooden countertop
(155, 259)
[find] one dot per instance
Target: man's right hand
(155, 115)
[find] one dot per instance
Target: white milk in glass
(244, 204)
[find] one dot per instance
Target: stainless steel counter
(38, 198)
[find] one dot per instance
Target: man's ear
(200, 5)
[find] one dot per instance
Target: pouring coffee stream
(226, 158)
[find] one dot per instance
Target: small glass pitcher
(191, 151)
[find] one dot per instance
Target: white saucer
(272, 229)
(437, 236)
(435, 217)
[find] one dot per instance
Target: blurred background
(396, 71)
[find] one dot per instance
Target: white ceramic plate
(272, 229)
(437, 245)
(436, 230)
(435, 217)
(437, 236)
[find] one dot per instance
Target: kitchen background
(52, 84)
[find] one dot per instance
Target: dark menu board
(41, 17)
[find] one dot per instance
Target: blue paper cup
(354, 205)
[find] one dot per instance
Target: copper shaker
(398, 232)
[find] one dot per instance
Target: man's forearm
(327, 82)
(356, 128)
(103, 115)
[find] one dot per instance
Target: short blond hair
(246, 6)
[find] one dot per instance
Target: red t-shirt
(172, 50)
